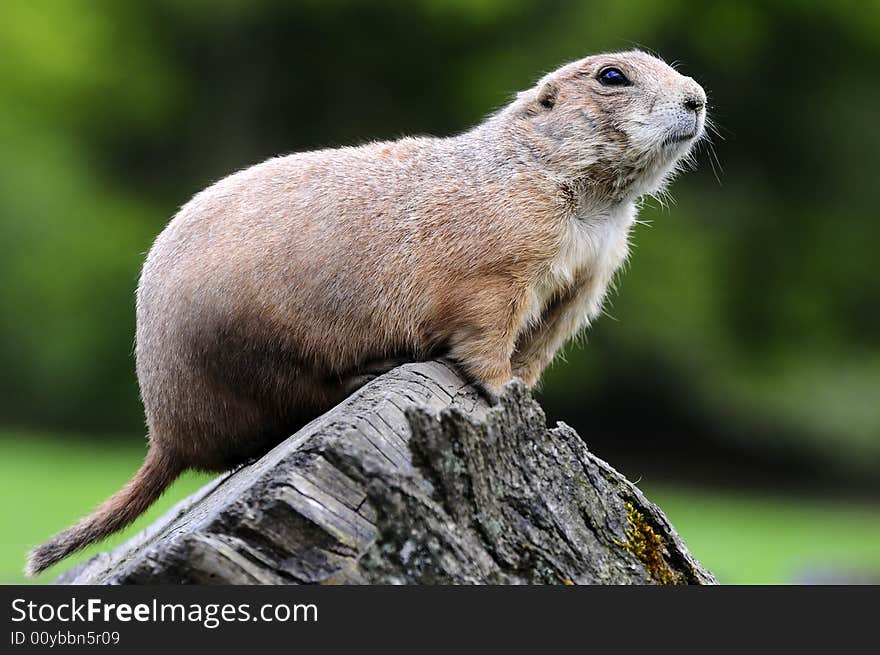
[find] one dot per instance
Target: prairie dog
(272, 293)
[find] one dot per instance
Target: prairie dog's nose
(694, 98)
(693, 103)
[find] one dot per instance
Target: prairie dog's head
(621, 121)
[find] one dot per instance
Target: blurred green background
(737, 374)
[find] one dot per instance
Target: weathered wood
(413, 479)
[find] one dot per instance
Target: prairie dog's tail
(158, 471)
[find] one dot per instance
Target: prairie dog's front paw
(530, 374)
(487, 392)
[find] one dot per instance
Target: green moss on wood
(649, 547)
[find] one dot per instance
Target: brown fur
(270, 294)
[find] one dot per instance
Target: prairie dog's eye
(611, 76)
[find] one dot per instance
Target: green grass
(750, 538)
(46, 483)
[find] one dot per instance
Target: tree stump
(412, 480)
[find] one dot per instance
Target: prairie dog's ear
(547, 94)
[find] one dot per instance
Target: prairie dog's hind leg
(370, 371)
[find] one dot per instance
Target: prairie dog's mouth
(680, 136)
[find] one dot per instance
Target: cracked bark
(412, 479)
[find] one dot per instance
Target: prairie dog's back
(339, 242)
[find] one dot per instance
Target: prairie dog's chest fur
(594, 244)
